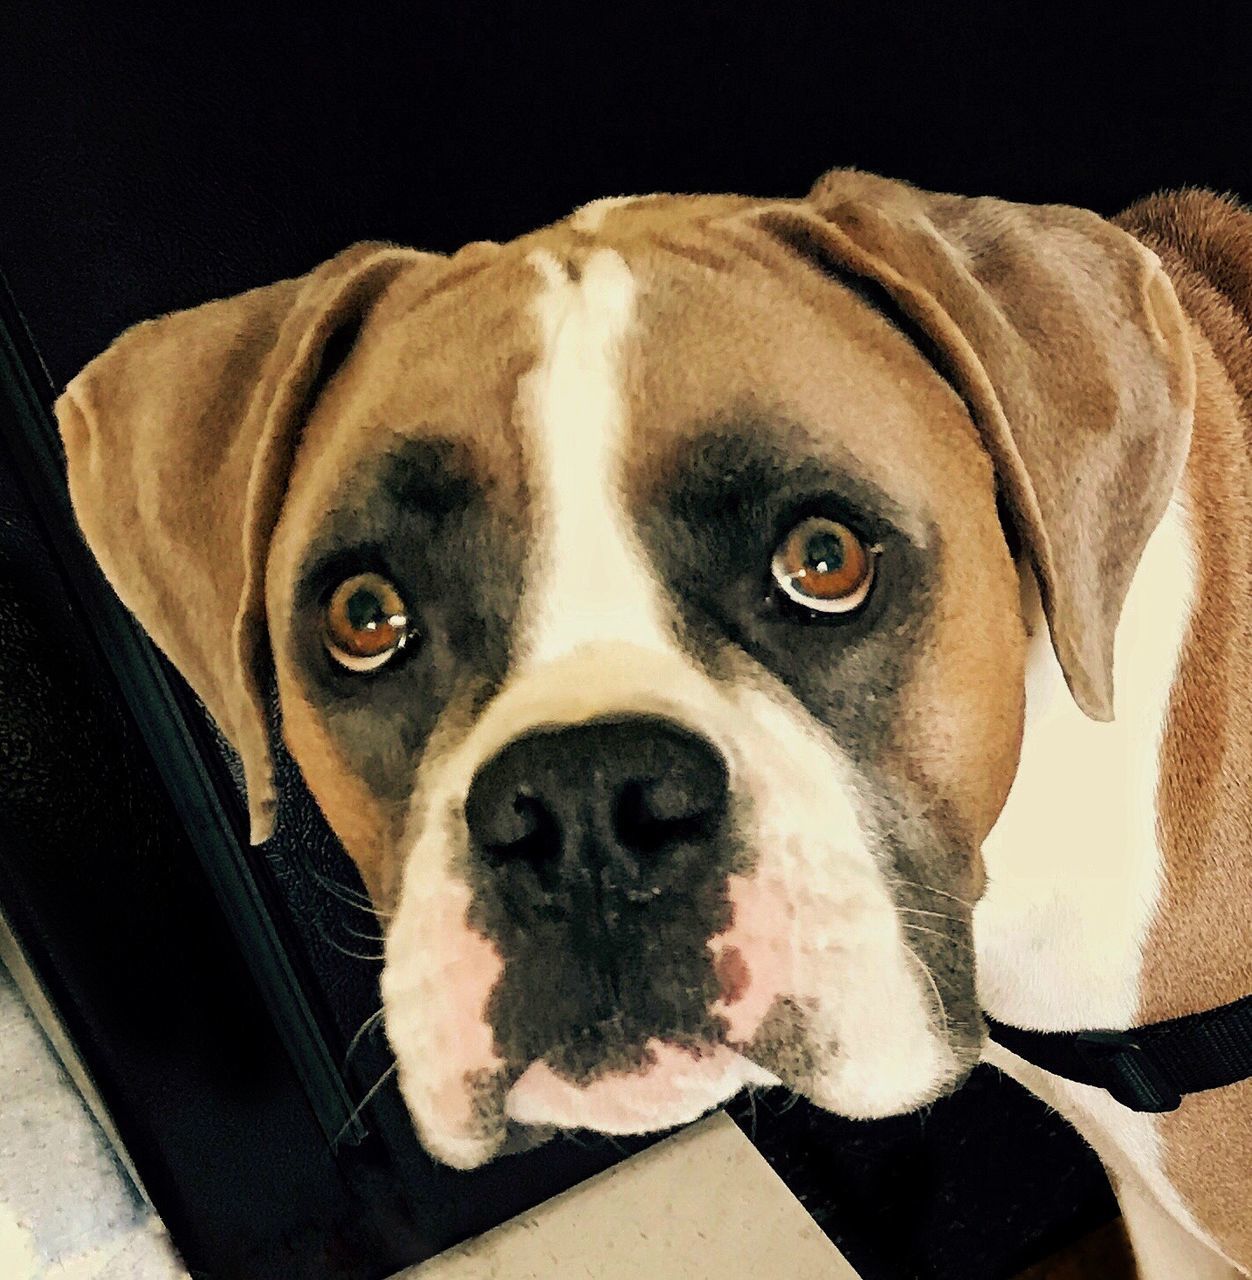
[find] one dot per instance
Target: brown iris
(824, 566)
(366, 622)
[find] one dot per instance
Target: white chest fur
(1074, 864)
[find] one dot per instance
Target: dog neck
(1119, 881)
(1075, 867)
(1119, 885)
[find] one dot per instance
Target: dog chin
(678, 1085)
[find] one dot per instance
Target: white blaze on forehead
(815, 921)
(590, 216)
(589, 581)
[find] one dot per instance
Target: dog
(698, 620)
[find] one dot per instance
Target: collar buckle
(1122, 1067)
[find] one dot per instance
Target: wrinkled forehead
(675, 321)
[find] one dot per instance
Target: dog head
(643, 597)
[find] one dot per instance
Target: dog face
(644, 623)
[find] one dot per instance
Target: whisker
(365, 1101)
(346, 894)
(355, 903)
(917, 911)
(364, 1029)
(338, 946)
(934, 986)
(934, 933)
(752, 1103)
(365, 937)
(930, 888)
(342, 891)
(354, 955)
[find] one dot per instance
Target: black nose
(627, 803)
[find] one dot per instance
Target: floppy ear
(180, 440)
(1066, 340)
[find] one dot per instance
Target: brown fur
(1200, 951)
(198, 418)
(199, 469)
(828, 371)
(366, 830)
(1068, 347)
(179, 439)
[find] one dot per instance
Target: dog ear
(180, 439)
(1065, 338)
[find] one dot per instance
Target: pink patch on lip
(677, 1085)
(468, 967)
(752, 956)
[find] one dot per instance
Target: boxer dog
(698, 619)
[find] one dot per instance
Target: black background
(153, 156)
(194, 150)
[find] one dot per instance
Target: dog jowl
(644, 601)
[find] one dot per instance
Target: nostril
(652, 815)
(605, 805)
(517, 828)
(534, 836)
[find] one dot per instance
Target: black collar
(1146, 1068)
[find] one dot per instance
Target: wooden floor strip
(1102, 1255)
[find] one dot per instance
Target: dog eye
(366, 622)
(822, 565)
